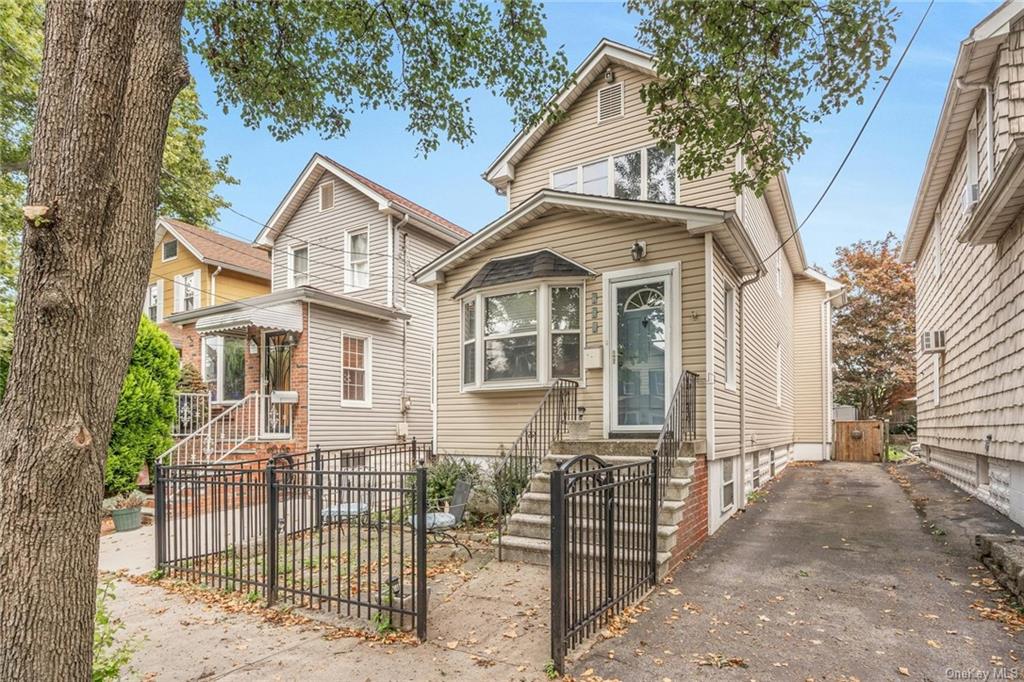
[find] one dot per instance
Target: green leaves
(145, 409)
(299, 64)
(189, 181)
(750, 76)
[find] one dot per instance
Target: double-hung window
(510, 336)
(355, 371)
(224, 367)
(469, 342)
(524, 337)
(298, 268)
(153, 311)
(186, 292)
(357, 260)
(566, 332)
(728, 483)
(647, 174)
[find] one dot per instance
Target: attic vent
(326, 196)
(609, 102)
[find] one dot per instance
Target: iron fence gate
(326, 529)
(604, 535)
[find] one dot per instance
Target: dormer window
(644, 174)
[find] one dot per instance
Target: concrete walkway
(842, 572)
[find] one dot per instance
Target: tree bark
(111, 70)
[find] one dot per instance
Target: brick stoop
(679, 518)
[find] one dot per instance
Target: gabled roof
(388, 201)
(834, 288)
(608, 53)
(536, 265)
(974, 62)
(695, 220)
(216, 249)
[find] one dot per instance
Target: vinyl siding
(727, 399)
(484, 422)
(231, 286)
(165, 272)
(579, 138)
(810, 363)
(323, 232)
(767, 320)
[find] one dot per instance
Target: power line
(849, 152)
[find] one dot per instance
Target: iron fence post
(415, 456)
(159, 522)
(271, 544)
(420, 528)
(655, 509)
(558, 568)
(319, 499)
(609, 536)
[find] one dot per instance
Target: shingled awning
(544, 264)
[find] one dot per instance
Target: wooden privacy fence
(862, 440)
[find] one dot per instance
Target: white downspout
(826, 378)
(741, 379)
(396, 230)
(964, 86)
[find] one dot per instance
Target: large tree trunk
(111, 70)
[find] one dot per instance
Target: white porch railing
(192, 411)
(276, 418)
(220, 436)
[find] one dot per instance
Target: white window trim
(291, 265)
(218, 380)
(778, 374)
(730, 463)
(936, 379)
(544, 378)
(622, 89)
(463, 341)
(778, 273)
(349, 272)
(176, 250)
(320, 196)
(367, 401)
(179, 291)
(609, 159)
(729, 304)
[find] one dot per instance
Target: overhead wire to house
(856, 139)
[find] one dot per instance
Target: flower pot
(578, 429)
(127, 519)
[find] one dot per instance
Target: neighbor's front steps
(527, 536)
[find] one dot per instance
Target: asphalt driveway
(841, 572)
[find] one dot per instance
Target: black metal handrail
(680, 425)
(512, 474)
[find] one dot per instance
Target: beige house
(966, 240)
(610, 270)
(338, 352)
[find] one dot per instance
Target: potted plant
(126, 510)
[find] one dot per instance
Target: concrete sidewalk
(842, 572)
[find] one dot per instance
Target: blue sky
(873, 195)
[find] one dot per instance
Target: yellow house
(196, 268)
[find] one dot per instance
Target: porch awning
(285, 317)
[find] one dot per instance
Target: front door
(276, 376)
(640, 365)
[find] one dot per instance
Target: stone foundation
(1004, 556)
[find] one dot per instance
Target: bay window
(528, 336)
(223, 360)
(647, 174)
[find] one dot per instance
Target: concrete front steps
(527, 536)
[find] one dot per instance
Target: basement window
(728, 484)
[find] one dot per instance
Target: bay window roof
(543, 264)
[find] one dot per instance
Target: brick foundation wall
(693, 529)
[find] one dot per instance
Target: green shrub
(108, 655)
(191, 380)
(445, 473)
(505, 485)
(145, 410)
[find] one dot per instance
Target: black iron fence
(547, 424)
(604, 544)
(680, 425)
(326, 529)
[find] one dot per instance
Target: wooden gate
(860, 441)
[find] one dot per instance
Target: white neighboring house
(966, 240)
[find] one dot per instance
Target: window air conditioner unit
(970, 197)
(933, 342)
